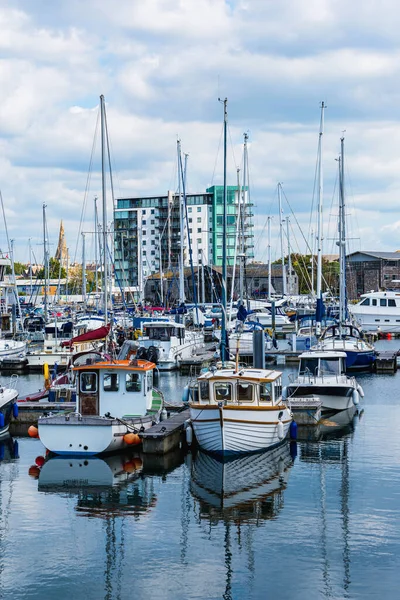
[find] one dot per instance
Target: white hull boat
(239, 411)
(167, 343)
(12, 349)
(322, 375)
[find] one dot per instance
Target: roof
(242, 374)
(382, 255)
(323, 354)
(123, 365)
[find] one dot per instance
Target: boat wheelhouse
(239, 410)
(166, 343)
(114, 399)
(360, 354)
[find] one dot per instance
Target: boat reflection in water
(248, 488)
(104, 486)
(8, 448)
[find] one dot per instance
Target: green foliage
(54, 270)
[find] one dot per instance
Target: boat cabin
(164, 332)
(120, 389)
(319, 364)
(342, 332)
(246, 386)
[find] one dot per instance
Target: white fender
(356, 397)
(284, 393)
(280, 430)
(360, 390)
(189, 435)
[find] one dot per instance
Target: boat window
(244, 392)
(88, 382)
(391, 302)
(329, 366)
(382, 302)
(265, 392)
(278, 389)
(223, 391)
(204, 390)
(365, 302)
(159, 333)
(111, 382)
(133, 382)
(373, 301)
(149, 380)
(308, 366)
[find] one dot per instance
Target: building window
(152, 222)
(152, 211)
(143, 221)
(199, 209)
(144, 252)
(190, 209)
(190, 230)
(144, 232)
(199, 230)
(143, 242)
(199, 219)
(153, 231)
(153, 253)
(190, 219)
(199, 241)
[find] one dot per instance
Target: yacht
(378, 311)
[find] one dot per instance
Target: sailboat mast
(342, 238)
(269, 259)
(181, 227)
(224, 228)
(104, 201)
(95, 247)
(242, 213)
(289, 256)
(284, 290)
(319, 310)
(45, 263)
(84, 271)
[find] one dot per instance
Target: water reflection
(9, 450)
(247, 488)
(332, 451)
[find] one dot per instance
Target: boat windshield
(159, 333)
(308, 366)
(244, 392)
(329, 366)
(223, 392)
(265, 392)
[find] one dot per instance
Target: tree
(54, 270)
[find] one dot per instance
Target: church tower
(62, 250)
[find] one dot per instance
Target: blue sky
(161, 65)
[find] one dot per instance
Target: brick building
(366, 271)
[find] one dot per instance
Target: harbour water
(316, 519)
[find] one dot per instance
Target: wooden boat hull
(235, 429)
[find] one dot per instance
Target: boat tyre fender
(141, 353)
(153, 354)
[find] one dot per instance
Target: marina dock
(166, 435)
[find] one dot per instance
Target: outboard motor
(153, 354)
(142, 353)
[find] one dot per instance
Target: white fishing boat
(239, 410)
(322, 375)
(167, 343)
(115, 402)
(12, 349)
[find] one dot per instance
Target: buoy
(280, 430)
(189, 435)
(1, 420)
(15, 410)
(186, 394)
(34, 472)
(389, 336)
(360, 390)
(293, 430)
(40, 460)
(46, 374)
(164, 414)
(132, 439)
(356, 397)
(33, 432)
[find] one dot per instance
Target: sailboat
(345, 337)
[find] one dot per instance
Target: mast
(104, 207)
(312, 263)
(161, 271)
(320, 306)
(181, 234)
(242, 215)
(224, 228)
(284, 290)
(342, 239)
(269, 259)
(289, 257)
(45, 262)
(96, 233)
(83, 272)
(30, 267)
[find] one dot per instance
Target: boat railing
(12, 384)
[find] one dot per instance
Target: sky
(162, 65)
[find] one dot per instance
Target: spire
(62, 251)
